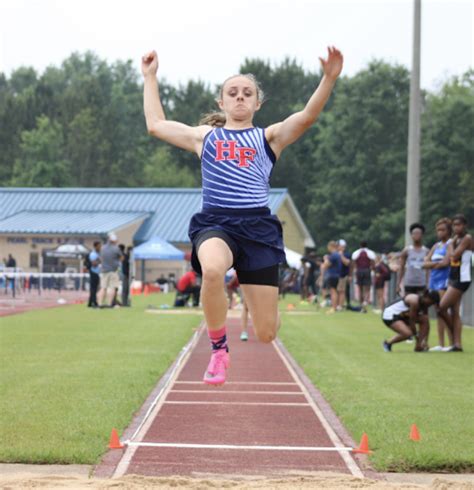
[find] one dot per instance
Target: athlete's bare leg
(452, 299)
(262, 302)
(216, 259)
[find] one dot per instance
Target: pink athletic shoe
(216, 370)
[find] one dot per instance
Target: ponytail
(214, 119)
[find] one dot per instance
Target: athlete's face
(459, 227)
(417, 235)
(239, 99)
(442, 232)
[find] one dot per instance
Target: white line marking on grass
(276, 383)
(350, 463)
(246, 448)
(192, 402)
(156, 405)
(245, 392)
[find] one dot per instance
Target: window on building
(34, 259)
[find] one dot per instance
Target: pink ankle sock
(216, 334)
(218, 339)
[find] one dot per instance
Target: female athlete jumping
(235, 227)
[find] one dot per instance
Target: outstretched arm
(282, 134)
(176, 133)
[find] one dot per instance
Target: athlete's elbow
(153, 129)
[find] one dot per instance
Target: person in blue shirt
(94, 275)
(436, 263)
(332, 268)
(235, 227)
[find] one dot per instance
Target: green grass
(383, 394)
(69, 375)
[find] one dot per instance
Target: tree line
(82, 125)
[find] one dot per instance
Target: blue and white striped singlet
(236, 165)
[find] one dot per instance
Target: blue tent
(157, 249)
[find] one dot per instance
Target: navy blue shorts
(255, 236)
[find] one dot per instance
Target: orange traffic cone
(115, 440)
(363, 446)
(414, 434)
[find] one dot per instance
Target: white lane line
(156, 405)
(350, 463)
(276, 383)
(246, 448)
(282, 404)
(299, 393)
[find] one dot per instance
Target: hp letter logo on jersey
(228, 150)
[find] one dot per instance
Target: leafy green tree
(82, 124)
(85, 149)
(161, 170)
(41, 162)
(447, 172)
(358, 182)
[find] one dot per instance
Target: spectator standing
(332, 266)
(163, 283)
(125, 274)
(460, 256)
(364, 262)
(11, 264)
(311, 268)
(437, 262)
(381, 276)
(110, 257)
(412, 259)
(94, 274)
(343, 285)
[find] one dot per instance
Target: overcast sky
(208, 39)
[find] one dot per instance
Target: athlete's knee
(267, 331)
(266, 337)
(212, 276)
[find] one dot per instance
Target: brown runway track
(262, 404)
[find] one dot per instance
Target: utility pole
(412, 210)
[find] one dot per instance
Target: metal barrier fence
(20, 282)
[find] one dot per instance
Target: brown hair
(217, 119)
(444, 221)
(461, 218)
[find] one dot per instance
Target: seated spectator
(186, 287)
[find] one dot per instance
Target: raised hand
(149, 63)
(332, 66)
